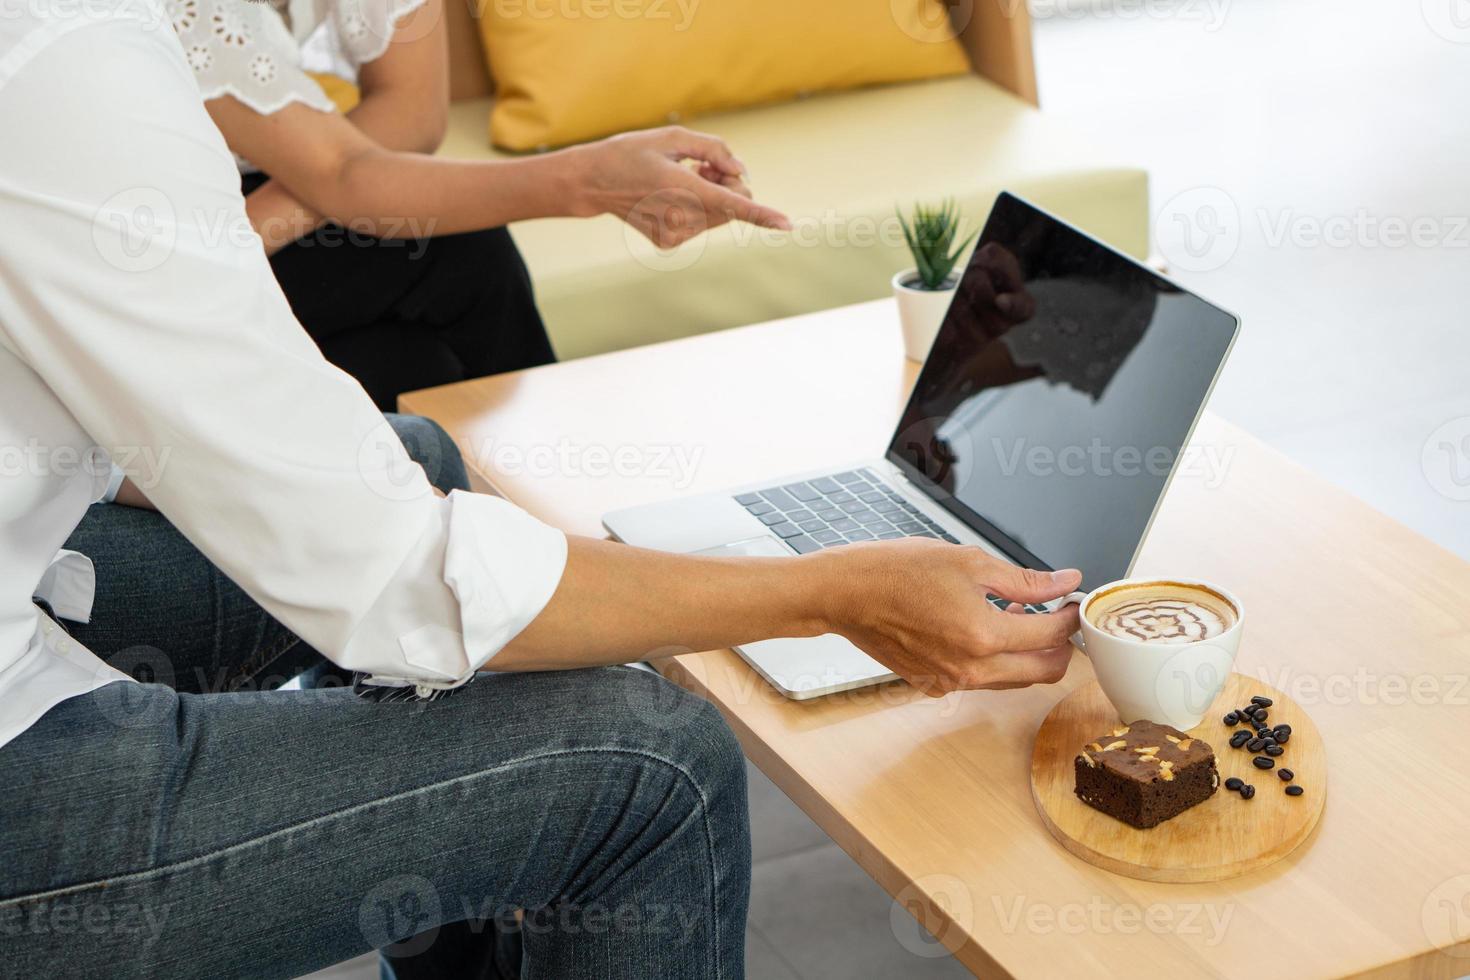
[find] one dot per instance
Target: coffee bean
(1274, 750)
(1262, 700)
(1286, 775)
(1231, 718)
(1256, 744)
(1294, 790)
(1261, 715)
(1247, 791)
(1283, 728)
(1239, 739)
(1234, 782)
(1263, 762)
(1282, 737)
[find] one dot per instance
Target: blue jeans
(580, 824)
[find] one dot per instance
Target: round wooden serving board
(1220, 838)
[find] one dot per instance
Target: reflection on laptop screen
(1058, 394)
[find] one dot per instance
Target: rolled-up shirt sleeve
(131, 283)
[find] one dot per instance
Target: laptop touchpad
(764, 546)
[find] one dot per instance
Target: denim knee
(433, 449)
(690, 733)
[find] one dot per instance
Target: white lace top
(253, 49)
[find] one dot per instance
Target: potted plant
(925, 291)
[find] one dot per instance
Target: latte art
(1162, 613)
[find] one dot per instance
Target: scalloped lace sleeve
(363, 29)
(244, 48)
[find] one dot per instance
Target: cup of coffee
(1162, 648)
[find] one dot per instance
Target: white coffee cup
(1169, 683)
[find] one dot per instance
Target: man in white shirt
(148, 832)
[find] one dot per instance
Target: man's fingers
(1028, 584)
(1034, 631)
(685, 144)
(1011, 670)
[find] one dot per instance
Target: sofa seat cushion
(838, 165)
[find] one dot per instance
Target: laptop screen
(1058, 394)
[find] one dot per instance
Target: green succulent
(931, 234)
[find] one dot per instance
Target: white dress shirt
(140, 323)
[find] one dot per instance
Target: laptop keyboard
(839, 509)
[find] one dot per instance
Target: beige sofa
(838, 164)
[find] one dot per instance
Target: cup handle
(1077, 638)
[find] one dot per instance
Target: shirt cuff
(503, 566)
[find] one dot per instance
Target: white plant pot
(920, 311)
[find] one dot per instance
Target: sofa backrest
(997, 36)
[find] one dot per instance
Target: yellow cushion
(837, 164)
(344, 95)
(571, 70)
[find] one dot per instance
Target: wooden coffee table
(1363, 622)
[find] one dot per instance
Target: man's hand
(919, 607)
(646, 178)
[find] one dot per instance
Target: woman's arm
(345, 176)
(404, 106)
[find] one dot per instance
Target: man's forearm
(617, 604)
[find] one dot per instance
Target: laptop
(1048, 419)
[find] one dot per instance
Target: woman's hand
(919, 607)
(646, 179)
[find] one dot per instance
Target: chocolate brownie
(1144, 773)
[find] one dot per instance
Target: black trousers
(400, 315)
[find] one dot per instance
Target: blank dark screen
(1058, 394)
